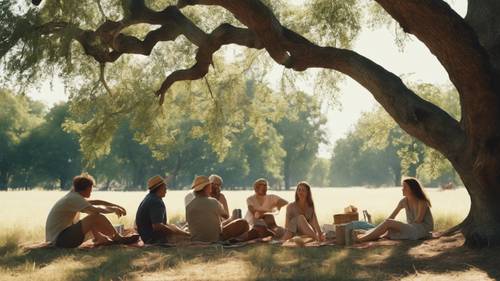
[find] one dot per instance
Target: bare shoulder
(402, 202)
(423, 204)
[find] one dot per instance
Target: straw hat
(200, 182)
(155, 182)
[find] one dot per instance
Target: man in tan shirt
(261, 207)
(64, 227)
(205, 216)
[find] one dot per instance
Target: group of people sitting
(208, 218)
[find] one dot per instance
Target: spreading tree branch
(457, 47)
(416, 116)
(102, 78)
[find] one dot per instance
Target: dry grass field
(23, 215)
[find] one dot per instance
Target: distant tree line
(38, 148)
(378, 152)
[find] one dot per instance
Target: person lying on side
(151, 216)
(64, 227)
(419, 221)
(301, 216)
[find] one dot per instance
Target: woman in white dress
(301, 216)
(419, 221)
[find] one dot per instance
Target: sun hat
(199, 183)
(155, 182)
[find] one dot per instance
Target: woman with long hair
(301, 216)
(419, 221)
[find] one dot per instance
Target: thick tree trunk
(483, 17)
(62, 183)
(172, 181)
(481, 227)
(397, 174)
(4, 181)
(286, 174)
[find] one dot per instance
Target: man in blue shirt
(151, 217)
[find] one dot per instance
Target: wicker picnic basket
(345, 218)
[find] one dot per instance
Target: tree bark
(4, 181)
(286, 173)
(482, 226)
(482, 16)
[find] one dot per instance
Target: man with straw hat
(151, 217)
(204, 215)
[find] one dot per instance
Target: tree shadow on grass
(264, 262)
(380, 263)
(108, 263)
(324, 263)
(423, 256)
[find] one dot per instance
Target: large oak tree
(468, 48)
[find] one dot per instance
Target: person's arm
(107, 204)
(102, 210)
(254, 209)
(288, 216)
(168, 229)
(280, 203)
(315, 225)
(223, 201)
(396, 211)
(421, 209)
(222, 212)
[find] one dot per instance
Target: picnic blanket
(307, 242)
(88, 244)
(296, 242)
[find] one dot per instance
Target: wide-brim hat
(155, 182)
(199, 183)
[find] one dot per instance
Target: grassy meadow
(23, 215)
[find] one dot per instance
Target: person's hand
(258, 215)
(122, 210)
(321, 236)
(118, 211)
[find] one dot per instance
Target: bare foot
(127, 239)
(102, 241)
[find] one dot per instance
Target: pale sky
(415, 62)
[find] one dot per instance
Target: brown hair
(417, 189)
(309, 198)
(82, 182)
